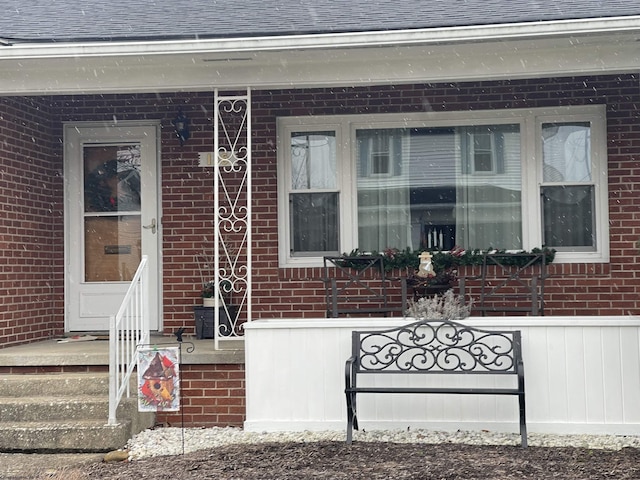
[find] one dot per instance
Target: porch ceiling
(435, 55)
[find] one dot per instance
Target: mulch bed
(336, 460)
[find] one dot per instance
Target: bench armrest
(348, 368)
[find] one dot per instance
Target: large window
(508, 179)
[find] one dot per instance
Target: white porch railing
(128, 329)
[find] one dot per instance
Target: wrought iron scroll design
(232, 186)
(437, 346)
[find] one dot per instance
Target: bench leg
(523, 421)
(352, 419)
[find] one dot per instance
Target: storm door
(111, 219)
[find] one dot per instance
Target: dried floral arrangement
(446, 306)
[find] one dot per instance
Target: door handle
(152, 225)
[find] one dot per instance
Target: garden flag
(159, 379)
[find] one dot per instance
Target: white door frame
(76, 134)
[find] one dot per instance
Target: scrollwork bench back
(439, 347)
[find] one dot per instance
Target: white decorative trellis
(232, 206)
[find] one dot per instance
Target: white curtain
(384, 210)
(488, 206)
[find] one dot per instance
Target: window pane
(112, 248)
(383, 189)
(568, 217)
(566, 152)
(112, 178)
(484, 151)
(439, 194)
(314, 220)
(313, 160)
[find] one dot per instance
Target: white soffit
(436, 55)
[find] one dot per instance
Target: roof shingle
(67, 20)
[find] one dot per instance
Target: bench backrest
(439, 347)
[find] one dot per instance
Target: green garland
(441, 261)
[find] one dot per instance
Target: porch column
(232, 206)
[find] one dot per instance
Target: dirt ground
(336, 460)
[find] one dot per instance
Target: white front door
(111, 219)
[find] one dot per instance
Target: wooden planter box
(204, 321)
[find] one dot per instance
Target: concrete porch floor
(96, 352)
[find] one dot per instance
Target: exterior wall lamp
(181, 126)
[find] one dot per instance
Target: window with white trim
(513, 179)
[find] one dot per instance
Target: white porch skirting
(582, 375)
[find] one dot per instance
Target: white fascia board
(324, 41)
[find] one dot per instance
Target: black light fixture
(181, 125)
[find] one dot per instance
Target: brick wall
(187, 189)
(211, 395)
(31, 230)
(31, 202)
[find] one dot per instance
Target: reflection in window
(314, 198)
(112, 178)
(314, 218)
(440, 194)
(313, 160)
(568, 216)
(112, 245)
(568, 192)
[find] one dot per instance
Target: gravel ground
(175, 441)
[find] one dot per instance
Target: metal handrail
(128, 328)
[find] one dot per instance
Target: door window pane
(112, 178)
(112, 242)
(112, 248)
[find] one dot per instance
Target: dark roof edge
(8, 41)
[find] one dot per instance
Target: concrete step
(74, 436)
(32, 409)
(64, 413)
(21, 466)
(54, 384)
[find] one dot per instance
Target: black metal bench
(359, 285)
(510, 283)
(434, 347)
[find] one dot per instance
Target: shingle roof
(63, 20)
